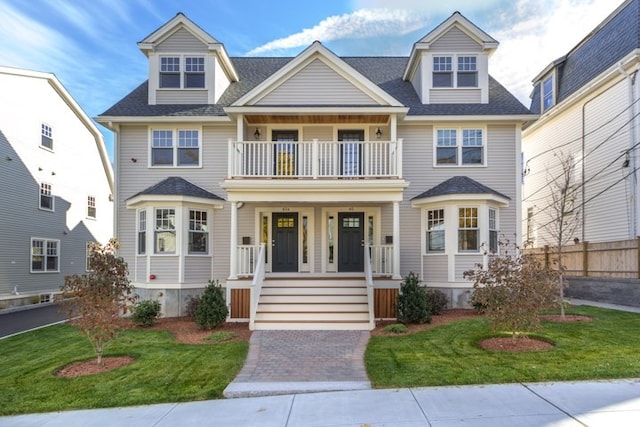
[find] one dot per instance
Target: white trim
(175, 139)
(459, 146)
(44, 255)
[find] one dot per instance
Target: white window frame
(493, 230)
(463, 227)
(457, 64)
(46, 190)
(87, 265)
(435, 220)
(198, 226)
(549, 95)
(45, 247)
(165, 227)
(91, 207)
(460, 139)
(46, 134)
(179, 141)
(141, 231)
(185, 67)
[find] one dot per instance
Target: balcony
(315, 159)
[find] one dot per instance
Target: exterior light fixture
(256, 134)
(378, 133)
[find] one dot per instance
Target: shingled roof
(176, 186)
(459, 185)
(385, 72)
(609, 42)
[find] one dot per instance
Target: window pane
(165, 241)
(468, 240)
(547, 93)
(188, 157)
(435, 230)
(161, 156)
(446, 156)
(472, 156)
(467, 63)
(442, 79)
(170, 80)
(170, 64)
(198, 243)
(442, 63)
(446, 138)
(466, 79)
(194, 80)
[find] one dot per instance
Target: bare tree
(562, 212)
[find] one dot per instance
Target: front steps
(313, 304)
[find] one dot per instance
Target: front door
(350, 241)
(351, 154)
(285, 242)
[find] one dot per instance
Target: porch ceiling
(378, 119)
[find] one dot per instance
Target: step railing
(382, 260)
(256, 285)
(368, 277)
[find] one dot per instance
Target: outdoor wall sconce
(256, 134)
(134, 160)
(378, 133)
(9, 159)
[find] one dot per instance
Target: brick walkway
(293, 361)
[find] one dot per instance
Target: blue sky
(90, 45)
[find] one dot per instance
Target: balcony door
(284, 152)
(351, 152)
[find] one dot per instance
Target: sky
(91, 45)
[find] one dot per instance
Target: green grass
(607, 347)
(164, 371)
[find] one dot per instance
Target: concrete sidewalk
(591, 403)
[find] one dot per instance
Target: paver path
(282, 362)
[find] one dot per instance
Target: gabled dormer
(450, 65)
(186, 64)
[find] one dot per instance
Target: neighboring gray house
(56, 186)
(588, 106)
(309, 186)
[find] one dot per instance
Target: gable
(317, 84)
(181, 41)
(455, 40)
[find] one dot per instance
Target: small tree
(413, 306)
(513, 289)
(97, 299)
(211, 309)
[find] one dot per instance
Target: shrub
(412, 304)
(437, 301)
(212, 308)
(396, 328)
(513, 289)
(145, 312)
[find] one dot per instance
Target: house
(310, 186)
(57, 186)
(588, 106)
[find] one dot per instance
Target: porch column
(396, 240)
(234, 242)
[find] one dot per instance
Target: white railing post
(399, 158)
(368, 276)
(256, 286)
(234, 241)
(230, 156)
(315, 159)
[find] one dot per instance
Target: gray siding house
(310, 186)
(56, 186)
(588, 108)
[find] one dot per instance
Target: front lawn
(164, 371)
(607, 347)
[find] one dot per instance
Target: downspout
(631, 78)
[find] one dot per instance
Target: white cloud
(364, 23)
(533, 34)
(430, 7)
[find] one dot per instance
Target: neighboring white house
(56, 185)
(310, 186)
(588, 106)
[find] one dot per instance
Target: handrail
(368, 277)
(256, 284)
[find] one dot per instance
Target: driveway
(14, 322)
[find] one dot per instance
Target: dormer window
(466, 74)
(173, 75)
(547, 93)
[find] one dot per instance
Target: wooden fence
(620, 259)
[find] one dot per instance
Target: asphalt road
(24, 320)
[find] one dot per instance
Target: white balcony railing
(315, 159)
(381, 260)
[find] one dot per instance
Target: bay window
(468, 232)
(435, 230)
(165, 231)
(198, 232)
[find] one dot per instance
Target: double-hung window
(91, 207)
(46, 197)
(547, 93)
(165, 231)
(460, 147)
(170, 72)
(465, 74)
(142, 232)
(468, 230)
(493, 230)
(45, 256)
(435, 230)
(198, 232)
(175, 147)
(46, 140)
(178, 72)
